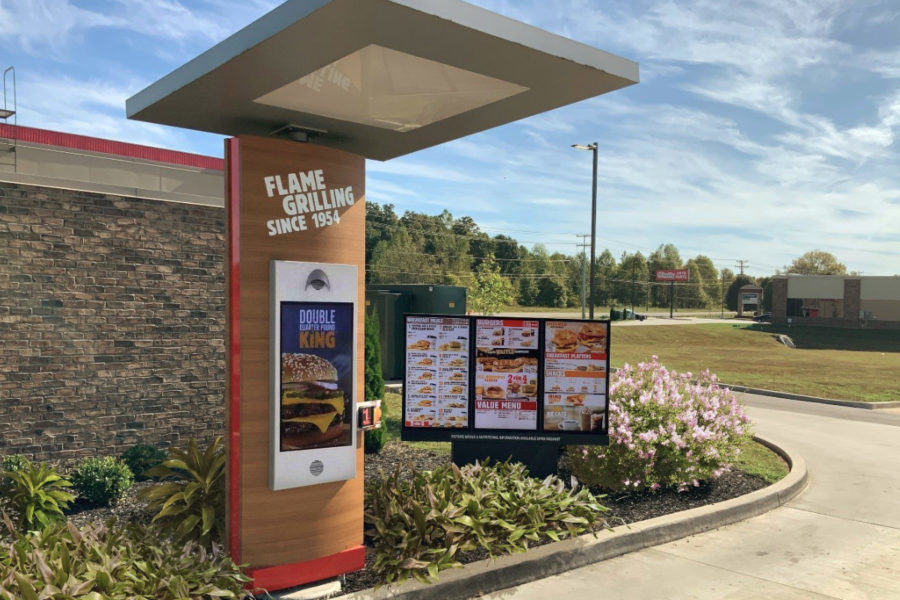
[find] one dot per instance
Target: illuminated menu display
(506, 374)
(575, 376)
(496, 379)
(437, 372)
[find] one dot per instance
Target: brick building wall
(779, 299)
(852, 300)
(112, 317)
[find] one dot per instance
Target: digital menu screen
(506, 374)
(500, 379)
(436, 386)
(316, 378)
(576, 362)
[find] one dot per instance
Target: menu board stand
(541, 461)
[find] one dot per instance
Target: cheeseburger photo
(565, 341)
(593, 335)
(312, 405)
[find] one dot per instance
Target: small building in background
(837, 301)
(750, 299)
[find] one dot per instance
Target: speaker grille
(316, 467)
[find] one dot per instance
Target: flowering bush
(664, 430)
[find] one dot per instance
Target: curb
(552, 559)
(802, 398)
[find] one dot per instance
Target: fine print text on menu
(575, 371)
(437, 372)
(506, 374)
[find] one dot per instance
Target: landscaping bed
(625, 508)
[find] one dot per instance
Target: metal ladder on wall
(8, 135)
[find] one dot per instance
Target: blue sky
(760, 129)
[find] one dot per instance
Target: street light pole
(593, 148)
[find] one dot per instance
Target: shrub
(374, 386)
(114, 563)
(419, 526)
(190, 500)
(664, 431)
(141, 458)
(14, 462)
(36, 494)
(102, 481)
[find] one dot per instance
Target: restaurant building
(837, 301)
(113, 302)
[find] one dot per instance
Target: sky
(760, 129)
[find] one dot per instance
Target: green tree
(399, 260)
(731, 296)
(817, 262)
(374, 382)
(664, 257)
(630, 276)
(605, 267)
(693, 294)
(489, 291)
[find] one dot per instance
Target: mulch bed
(624, 508)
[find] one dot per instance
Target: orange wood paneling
(309, 522)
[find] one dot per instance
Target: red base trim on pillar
(294, 574)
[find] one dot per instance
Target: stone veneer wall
(112, 320)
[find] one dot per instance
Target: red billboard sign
(673, 275)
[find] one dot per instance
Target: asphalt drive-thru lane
(838, 539)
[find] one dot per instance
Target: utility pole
(583, 245)
(741, 264)
(632, 286)
(722, 304)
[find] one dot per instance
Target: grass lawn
(844, 364)
(756, 459)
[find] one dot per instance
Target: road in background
(839, 539)
(652, 319)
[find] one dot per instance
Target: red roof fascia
(91, 144)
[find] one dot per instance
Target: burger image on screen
(593, 335)
(312, 404)
(495, 392)
(565, 341)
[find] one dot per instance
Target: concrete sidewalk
(839, 539)
(561, 557)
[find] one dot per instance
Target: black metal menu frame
(470, 432)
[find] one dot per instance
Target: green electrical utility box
(393, 301)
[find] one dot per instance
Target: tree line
(442, 249)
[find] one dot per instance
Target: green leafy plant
(36, 494)
(141, 458)
(14, 462)
(374, 438)
(103, 480)
(190, 499)
(109, 562)
(420, 525)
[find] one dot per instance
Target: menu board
(497, 379)
(575, 376)
(506, 374)
(437, 372)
